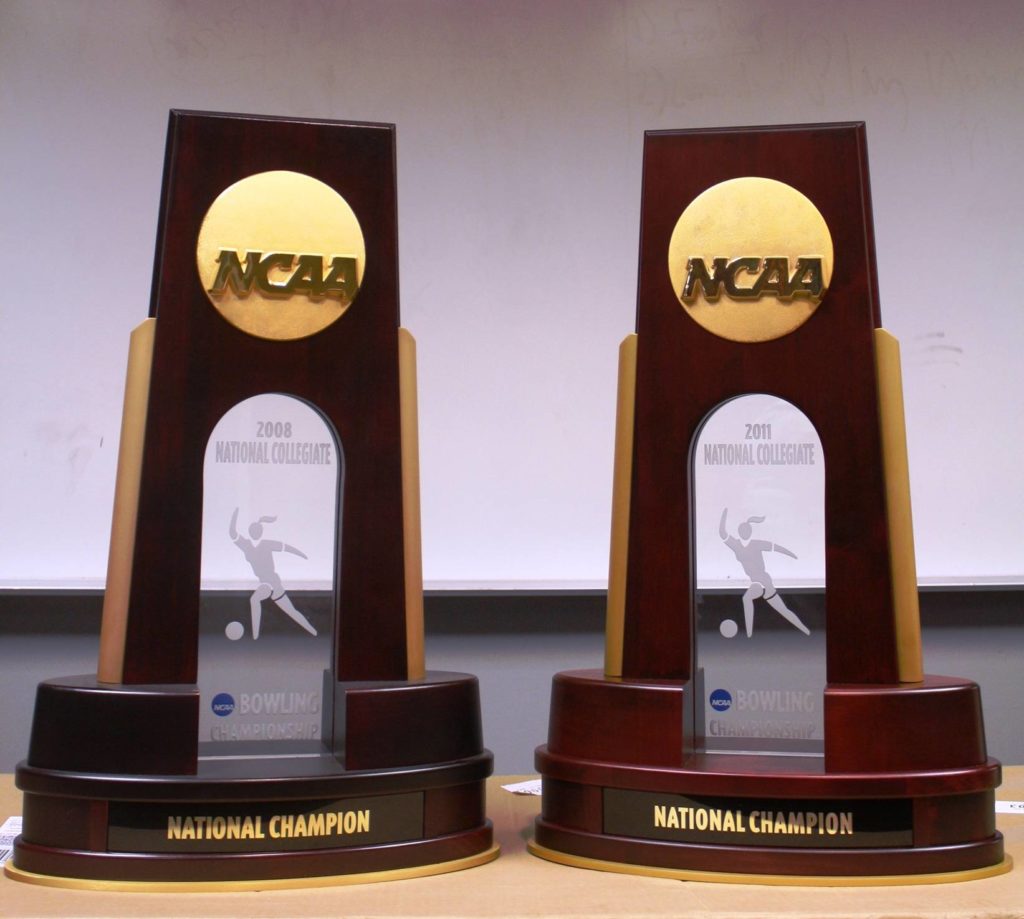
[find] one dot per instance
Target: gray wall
(514, 644)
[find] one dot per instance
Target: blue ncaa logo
(223, 704)
(721, 700)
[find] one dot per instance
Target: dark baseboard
(469, 612)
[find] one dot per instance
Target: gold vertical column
(625, 410)
(897, 501)
(411, 505)
(126, 503)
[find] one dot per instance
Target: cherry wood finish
(82, 725)
(67, 803)
(754, 860)
(203, 366)
(826, 368)
(951, 795)
(619, 721)
(106, 756)
(911, 752)
(252, 780)
(640, 759)
(256, 866)
(410, 723)
(934, 724)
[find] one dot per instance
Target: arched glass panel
(271, 499)
(759, 543)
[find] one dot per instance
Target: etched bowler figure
(750, 554)
(259, 553)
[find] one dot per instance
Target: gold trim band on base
(334, 880)
(773, 880)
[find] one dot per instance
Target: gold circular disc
(280, 255)
(750, 259)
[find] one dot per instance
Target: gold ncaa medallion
(750, 259)
(280, 255)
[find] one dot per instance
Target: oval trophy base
(771, 880)
(629, 797)
(269, 883)
(404, 800)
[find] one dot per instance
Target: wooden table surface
(518, 884)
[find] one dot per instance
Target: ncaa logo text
(223, 704)
(721, 700)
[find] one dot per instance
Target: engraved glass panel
(271, 498)
(759, 541)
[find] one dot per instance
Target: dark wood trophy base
(276, 271)
(923, 806)
(904, 790)
(404, 796)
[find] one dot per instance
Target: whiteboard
(520, 129)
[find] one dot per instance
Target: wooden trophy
(276, 272)
(757, 275)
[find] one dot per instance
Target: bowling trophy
(757, 281)
(273, 353)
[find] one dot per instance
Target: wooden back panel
(826, 368)
(203, 366)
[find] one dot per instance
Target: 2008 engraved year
(276, 429)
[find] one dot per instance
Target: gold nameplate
(750, 259)
(280, 255)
